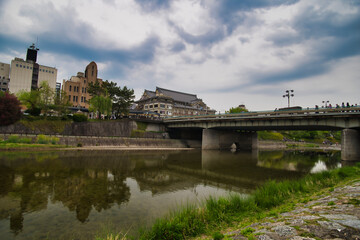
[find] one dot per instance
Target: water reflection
(128, 187)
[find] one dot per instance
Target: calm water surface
(77, 194)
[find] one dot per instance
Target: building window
(70, 88)
(84, 81)
(156, 105)
(69, 97)
(76, 98)
(73, 98)
(17, 65)
(27, 67)
(82, 90)
(85, 90)
(20, 65)
(162, 105)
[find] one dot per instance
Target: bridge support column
(350, 144)
(224, 139)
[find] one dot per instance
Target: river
(78, 194)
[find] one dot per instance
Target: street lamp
(288, 95)
(326, 102)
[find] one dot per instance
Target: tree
(123, 100)
(100, 104)
(120, 98)
(46, 97)
(237, 110)
(95, 89)
(31, 99)
(61, 103)
(10, 109)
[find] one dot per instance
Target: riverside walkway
(331, 215)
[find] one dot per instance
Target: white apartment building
(4, 76)
(27, 74)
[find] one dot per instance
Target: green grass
(41, 141)
(8, 146)
(218, 213)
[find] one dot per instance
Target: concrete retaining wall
(123, 128)
(86, 141)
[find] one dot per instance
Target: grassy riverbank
(14, 142)
(269, 200)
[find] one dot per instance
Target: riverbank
(257, 216)
(332, 213)
(123, 143)
(271, 145)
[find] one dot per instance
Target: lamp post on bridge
(289, 93)
(326, 102)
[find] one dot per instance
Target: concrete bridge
(222, 131)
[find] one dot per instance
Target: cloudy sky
(228, 52)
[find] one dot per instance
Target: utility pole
(288, 95)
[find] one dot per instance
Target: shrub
(79, 118)
(13, 139)
(42, 139)
(268, 135)
(10, 110)
(217, 236)
(54, 140)
(25, 140)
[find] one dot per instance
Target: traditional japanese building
(172, 103)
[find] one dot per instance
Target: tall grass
(192, 220)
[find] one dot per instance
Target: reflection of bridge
(221, 131)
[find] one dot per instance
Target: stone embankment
(335, 215)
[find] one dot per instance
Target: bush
(54, 140)
(10, 110)
(79, 118)
(42, 139)
(13, 139)
(269, 135)
(25, 140)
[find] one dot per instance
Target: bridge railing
(268, 113)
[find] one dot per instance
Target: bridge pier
(350, 144)
(223, 139)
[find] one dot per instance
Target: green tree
(121, 98)
(61, 103)
(10, 109)
(46, 97)
(100, 104)
(237, 110)
(31, 99)
(95, 89)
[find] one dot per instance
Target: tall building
(4, 76)
(28, 74)
(76, 88)
(172, 103)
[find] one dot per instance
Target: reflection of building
(77, 87)
(27, 74)
(4, 76)
(172, 103)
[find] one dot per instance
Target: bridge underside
(230, 137)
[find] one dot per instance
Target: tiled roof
(177, 96)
